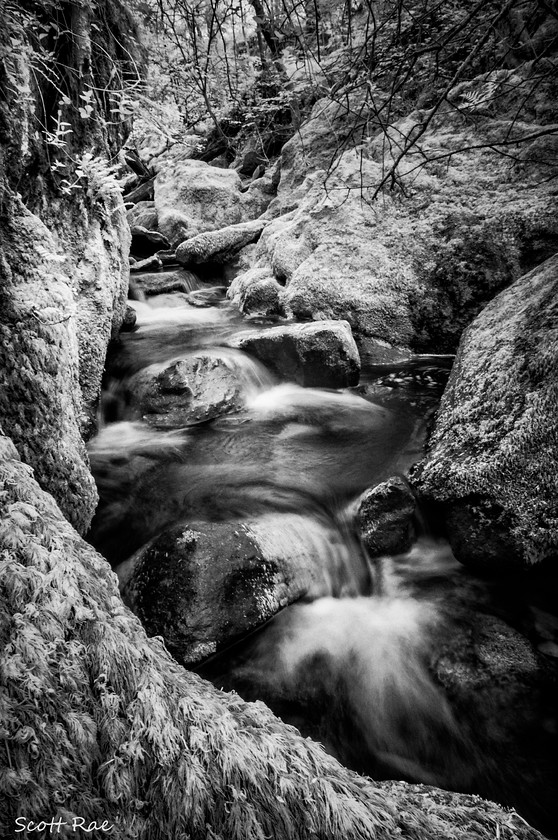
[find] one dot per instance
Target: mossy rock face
(491, 464)
(57, 317)
(64, 263)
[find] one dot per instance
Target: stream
(361, 661)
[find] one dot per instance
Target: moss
(492, 457)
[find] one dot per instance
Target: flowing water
(351, 664)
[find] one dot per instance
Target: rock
(190, 390)
(145, 242)
(251, 162)
(129, 320)
(203, 585)
(167, 257)
(219, 246)
(256, 292)
(194, 732)
(490, 465)
(506, 700)
(412, 269)
(163, 282)
(319, 355)
(147, 263)
(193, 197)
(385, 518)
(143, 214)
(143, 192)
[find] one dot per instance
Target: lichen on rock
(492, 456)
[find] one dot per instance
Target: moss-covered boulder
(491, 464)
(193, 197)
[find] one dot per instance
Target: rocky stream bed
(256, 478)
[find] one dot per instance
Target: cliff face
(63, 232)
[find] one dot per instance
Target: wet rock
(320, 355)
(385, 518)
(219, 246)
(129, 320)
(193, 197)
(147, 242)
(190, 390)
(163, 282)
(491, 464)
(143, 214)
(167, 257)
(256, 292)
(203, 585)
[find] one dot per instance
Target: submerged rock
(320, 355)
(220, 245)
(129, 320)
(204, 585)
(491, 464)
(385, 518)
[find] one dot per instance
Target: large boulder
(319, 354)
(193, 197)
(220, 245)
(203, 585)
(491, 463)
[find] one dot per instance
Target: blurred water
(310, 452)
